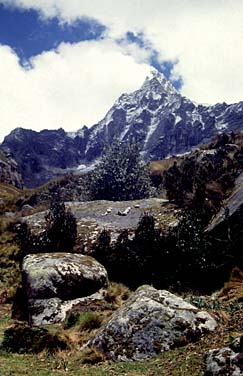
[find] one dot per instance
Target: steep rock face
(150, 322)
(146, 115)
(9, 172)
(231, 211)
(157, 116)
(56, 282)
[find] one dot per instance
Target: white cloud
(68, 88)
(206, 37)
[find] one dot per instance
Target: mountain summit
(160, 118)
(157, 116)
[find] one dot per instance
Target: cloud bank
(69, 87)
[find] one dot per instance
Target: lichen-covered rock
(55, 282)
(225, 361)
(150, 322)
(63, 275)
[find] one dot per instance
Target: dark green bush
(183, 258)
(59, 235)
(21, 338)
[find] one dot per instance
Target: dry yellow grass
(233, 289)
(158, 167)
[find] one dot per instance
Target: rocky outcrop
(226, 361)
(231, 207)
(157, 116)
(150, 322)
(93, 216)
(55, 282)
(9, 172)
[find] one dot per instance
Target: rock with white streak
(54, 310)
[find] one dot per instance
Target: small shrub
(117, 293)
(21, 338)
(61, 228)
(59, 235)
(89, 321)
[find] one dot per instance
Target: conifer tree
(61, 228)
(121, 174)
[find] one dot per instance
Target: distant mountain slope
(9, 172)
(157, 116)
(44, 155)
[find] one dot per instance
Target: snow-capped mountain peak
(157, 116)
(158, 82)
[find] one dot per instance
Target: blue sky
(29, 34)
(64, 63)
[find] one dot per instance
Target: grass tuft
(92, 356)
(89, 321)
(117, 293)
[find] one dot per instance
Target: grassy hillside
(226, 307)
(9, 192)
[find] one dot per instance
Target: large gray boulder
(55, 282)
(150, 322)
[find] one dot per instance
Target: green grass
(86, 321)
(14, 364)
(10, 275)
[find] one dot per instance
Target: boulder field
(150, 322)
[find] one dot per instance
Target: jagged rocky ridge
(157, 116)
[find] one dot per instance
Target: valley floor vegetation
(186, 258)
